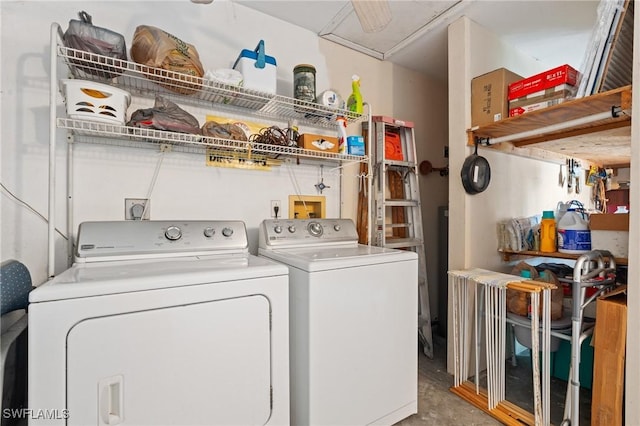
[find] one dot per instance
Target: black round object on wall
(475, 173)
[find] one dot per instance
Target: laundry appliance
(161, 323)
(353, 323)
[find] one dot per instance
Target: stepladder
(396, 208)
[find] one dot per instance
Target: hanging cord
(34, 211)
(153, 184)
(274, 136)
(598, 195)
(296, 187)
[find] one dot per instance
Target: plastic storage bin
(258, 69)
(94, 101)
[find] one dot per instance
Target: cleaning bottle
(548, 232)
(354, 103)
(574, 235)
(342, 140)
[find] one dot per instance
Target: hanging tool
(321, 186)
(561, 177)
(570, 173)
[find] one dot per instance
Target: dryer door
(200, 364)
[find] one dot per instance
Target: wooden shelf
(508, 254)
(606, 142)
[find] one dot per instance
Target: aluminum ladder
(397, 220)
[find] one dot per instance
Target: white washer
(353, 313)
(161, 323)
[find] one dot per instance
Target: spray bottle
(342, 140)
(354, 103)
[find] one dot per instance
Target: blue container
(355, 145)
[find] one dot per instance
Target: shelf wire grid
(87, 131)
(148, 81)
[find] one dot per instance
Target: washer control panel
(299, 232)
(134, 238)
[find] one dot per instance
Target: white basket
(94, 101)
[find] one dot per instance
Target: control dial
(227, 232)
(315, 229)
(209, 231)
(277, 229)
(336, 228)
(292, 229)
(173, 233)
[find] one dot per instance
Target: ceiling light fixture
(374, 15)
(202, 1)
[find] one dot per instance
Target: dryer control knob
(336, 228)
(292, 229)
(277, 229)
(227, 232)
(315, 229)
(173, 233)
(209, 231)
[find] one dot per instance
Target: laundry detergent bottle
(574, 235)
(548, 232)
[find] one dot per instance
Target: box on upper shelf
(489, 96)
(318, 142)
(610, 232)
(534, 106)
(541, 99)
(563, 74)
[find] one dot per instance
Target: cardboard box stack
(542, 90)
(489, 96)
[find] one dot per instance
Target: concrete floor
(438, 406)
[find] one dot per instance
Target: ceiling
(554, 32)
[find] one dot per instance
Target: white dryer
(161, 323)
(353, 323)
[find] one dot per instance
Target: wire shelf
(96, 132)
(148, 81)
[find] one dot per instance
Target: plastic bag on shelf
(83, 35)
(223, 131)
(158, 49)
(165, 115)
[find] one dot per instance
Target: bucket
(574, 236)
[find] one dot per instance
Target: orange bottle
(548, 232)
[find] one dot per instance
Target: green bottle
(354, 103)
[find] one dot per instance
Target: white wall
(185, 187)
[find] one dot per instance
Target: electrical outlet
(276, 210)
(133, 208)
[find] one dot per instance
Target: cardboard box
(489, 96)
(559, 91)
(563, 74)
(318, 142)
(542, 96)
(610, 232)
(520, 110)
(609, 341)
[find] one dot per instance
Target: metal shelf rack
(147, 82)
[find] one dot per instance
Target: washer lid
(323, 257)
(102, 278)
